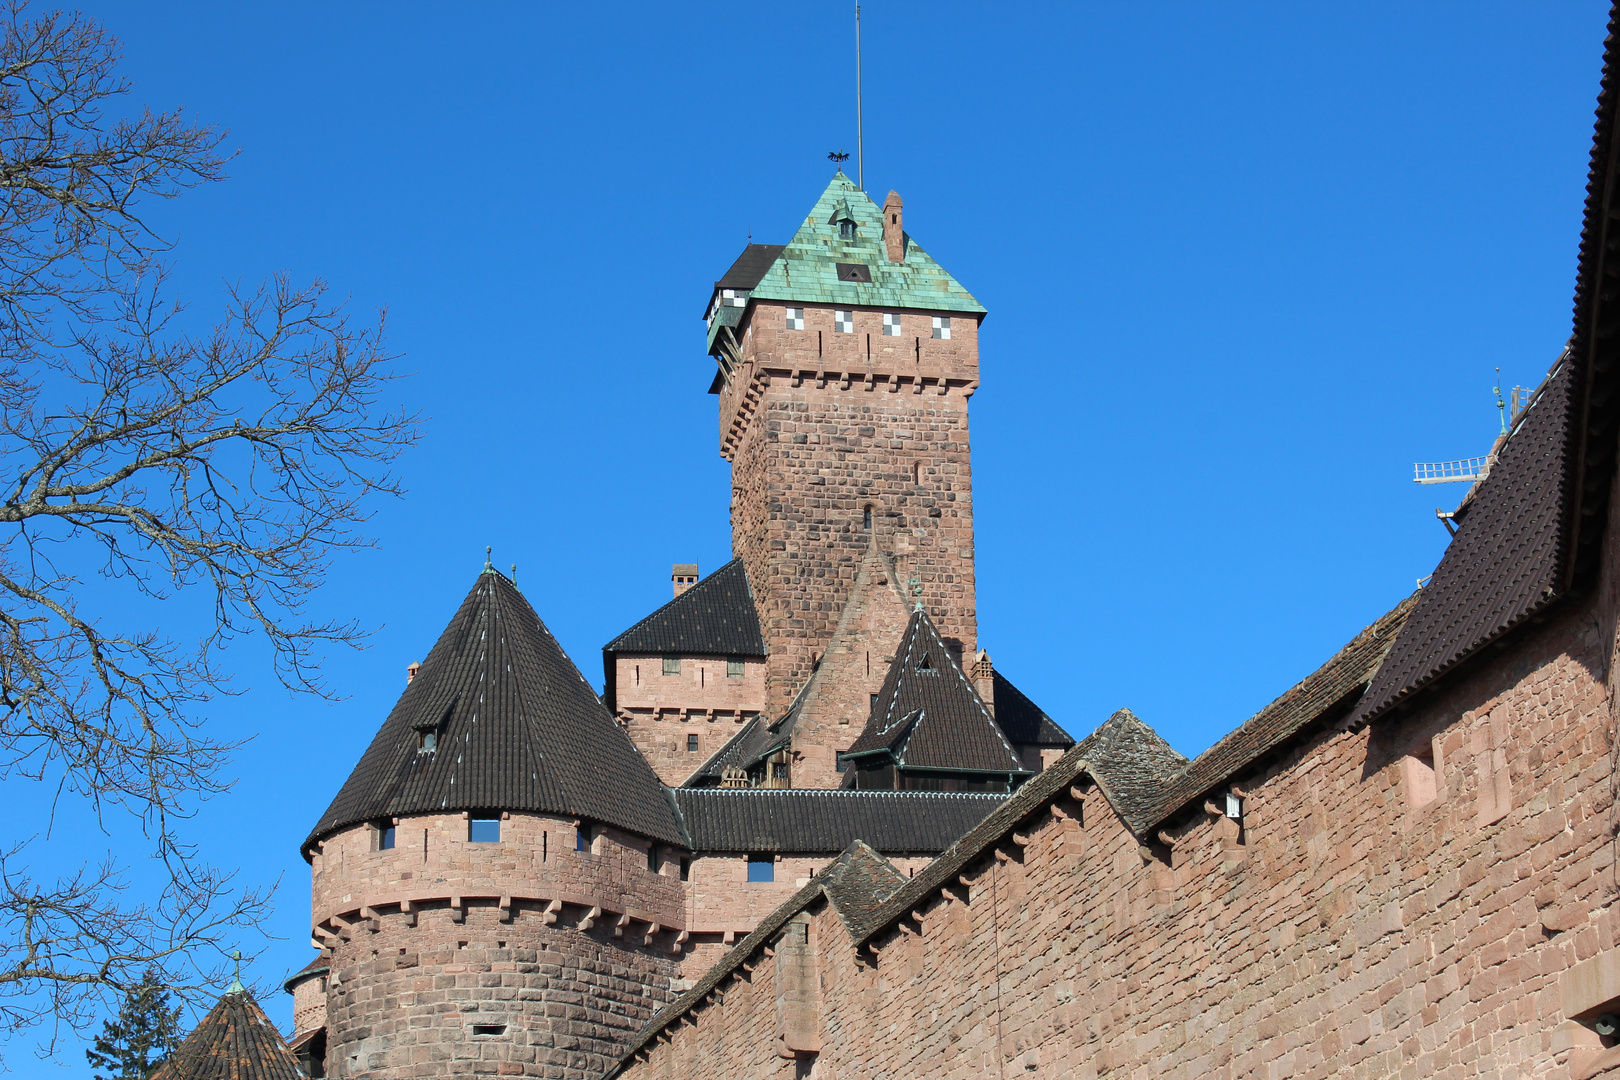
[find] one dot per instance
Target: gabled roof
(518, 728)
(1131, 763)
(235, 1041)
(818, 821)
(1024, 722)
(750, 266)
(1505, 562)
(807, 268)
(715, 617)
(856, 884)
(927, 716)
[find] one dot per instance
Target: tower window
(686, 869)
(736, 667)
(484, 830)
(691, 743)
(795, 318)
(385, 837)
(652, 858)
(942, 327)
(846, 229)
(866, 519)
(891, 324)
(761, 868)
(871, 701)
(843, 322)
(582, 838)
(672, 665)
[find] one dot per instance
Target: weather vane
(838, 157)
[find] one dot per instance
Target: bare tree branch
(235, 460)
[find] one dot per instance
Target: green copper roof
(807, 269)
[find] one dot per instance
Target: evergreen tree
(142, 1037)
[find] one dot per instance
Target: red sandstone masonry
(818, 430)
(660, 711)
(1355, 931)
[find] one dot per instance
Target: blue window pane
(484, 830)
(761, 868)
(386, 840)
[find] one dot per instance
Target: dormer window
(925, 664)
(846, 229)
(427, 741)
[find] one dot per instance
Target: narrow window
(691, 743)
(866, 519)
(916, 472)
(761, 868)
(686, 869)
(672, 665)
(582, 838)
(942, 328)
(638, 674)
(385, 837)
(843, 322)
(652, 857)
(544, 845)
(871, 702)
(843, 763)
(795, 318)
(736, 667)
(484, 830)
(891, 324)
(489, 1029)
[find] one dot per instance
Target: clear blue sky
(1244, 265)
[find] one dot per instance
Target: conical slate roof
(714, 617)
(517, 727)
(235, 1041)
(927, 715)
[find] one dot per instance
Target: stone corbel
(553, 910)
(618, 927)
(372, 920)
(679, 943)
(408, 909)
(652, 932)
(506, 907)
(729, 937)
(589, 921)
(894, 384)
(458, 913)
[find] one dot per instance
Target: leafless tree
(234, 460)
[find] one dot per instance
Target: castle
(519, 873)
(810, 830)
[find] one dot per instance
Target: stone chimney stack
(684, 575)
(410, 671)
(984, 680)
(894, 235)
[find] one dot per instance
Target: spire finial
(489, 567)
(236, 986)
(916, 590)
(514, 576)
(1501, 406)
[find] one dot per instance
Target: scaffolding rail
(1451, 472)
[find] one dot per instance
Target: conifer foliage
(142, 1037)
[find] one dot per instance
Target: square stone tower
(846, 360)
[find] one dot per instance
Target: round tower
(496, 889)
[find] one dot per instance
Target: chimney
(984, 680)
(684, 575)
(894, 236)
(411, 669)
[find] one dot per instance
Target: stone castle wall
(819, 426)
(661, 711)
(1369, 918)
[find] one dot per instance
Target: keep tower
(846, 359)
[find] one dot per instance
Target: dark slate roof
(855, 884)
(235, 1041)
(1327, 693)
(1535, 530)
(317, 966)
(1504, 564)
(750, 266)
(1131, 763)
(927, 716)
(813, 820)
(753, 740)
(715, 617)
(1023, 721)
(519, 728)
